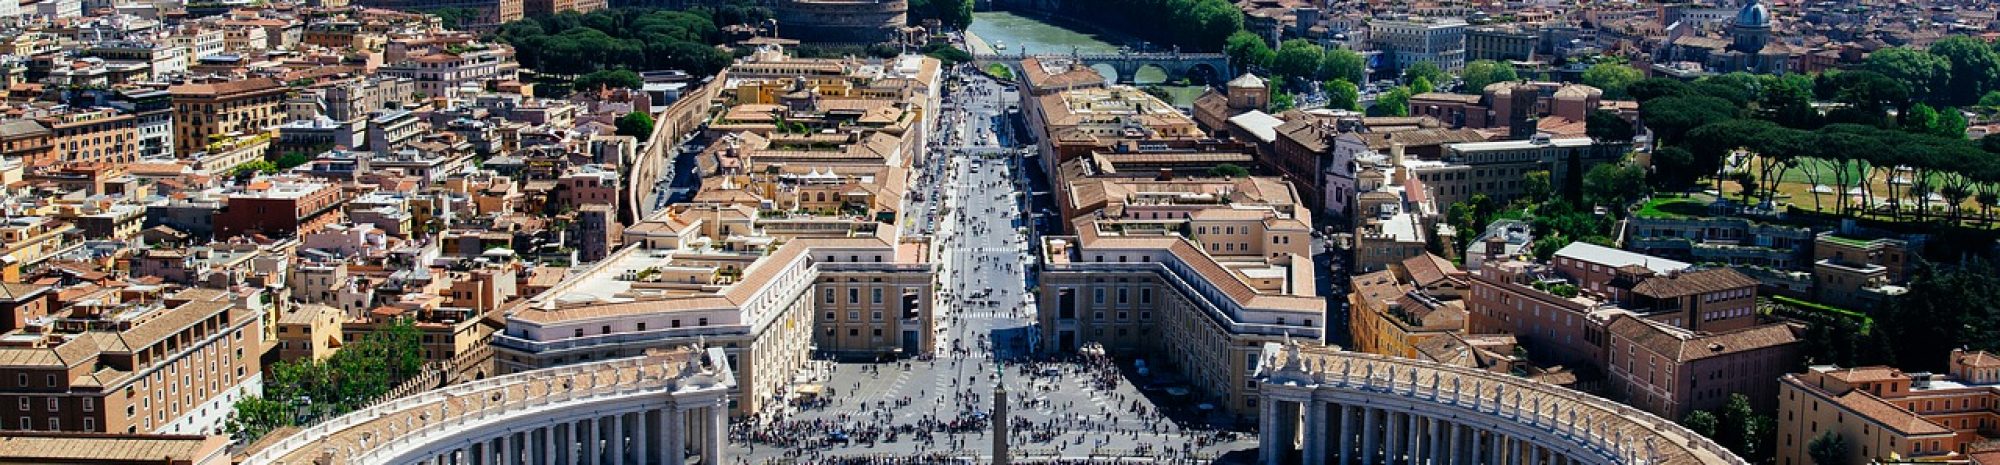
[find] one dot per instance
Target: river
(1001, 28)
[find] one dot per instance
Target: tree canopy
(1297, 59)
(608, 78)
(1828, 449)
(1480, 73)
(1921, 72)
(1341, 95)
(629, 38)
(1192, 25)
(1248, 51)
(1613, 78)
(1425, 70)
(1395, 102)
(308, 390)
(954, 14)
(636, 124)
(1606, 125)
(1343, 64)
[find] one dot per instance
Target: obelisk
(1000, 423)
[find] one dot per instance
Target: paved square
(940, 406)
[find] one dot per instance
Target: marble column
(1417, 439)
(548, 452)
(1369, 436)
(1499, 446)
(1267, 432)
(1393, 431)
(573, 442)
(1346, 434)
(592, 432)
(715, 434)
(1479, 449)
(617, 441)
(1437, 450)
(509, 454)
(1315, 426)
(674, 441)
(640, 439)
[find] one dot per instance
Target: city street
(939, 406)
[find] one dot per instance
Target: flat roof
(1611, 257)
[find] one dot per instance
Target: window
(1097, 295)
(701, 321)
(853, 295)
(875, 295)
(24, 403)
(89, 404)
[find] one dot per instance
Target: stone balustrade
(1412, 411)
(599, 412)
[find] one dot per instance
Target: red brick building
(279, 207)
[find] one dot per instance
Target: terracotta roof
(48, 447)
(1378, 288)
(1693, 282)
(1866, 374)
(1071, 76)
(15, 292)
(1980, 359)
(1874, 408)
(1420, 137)
(1682, 346)
(1467, 99)
(1429, 268)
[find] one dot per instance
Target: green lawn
(1823, 168)
(1867, 323)
(999, 71)
(1673, 207)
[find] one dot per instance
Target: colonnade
(1317, 432)
(668, 436)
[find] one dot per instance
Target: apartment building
(1603, 311)
(133, 360)
(1672, 371)
(1499, 169)
(279, 207)
(93, 136)
(1890, 415)
(208, 112)
(1410, 40)
(309, 332)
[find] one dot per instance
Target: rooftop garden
(1673, 208)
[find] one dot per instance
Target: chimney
(1495, 244)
